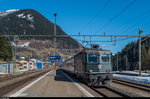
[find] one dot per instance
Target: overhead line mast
(140, 31)
(55, 39)
(55, 35)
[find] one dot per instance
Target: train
(91, 66)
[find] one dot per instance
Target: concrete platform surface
(53, 86)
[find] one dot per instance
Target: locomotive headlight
(99, 66)
(90, 70)
(107, 70)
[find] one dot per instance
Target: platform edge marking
(26, 87)
(79, 86)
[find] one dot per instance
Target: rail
(106, 91)
(133, 84)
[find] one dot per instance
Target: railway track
(136, 85)
(4, 77)
(8, 85)
(106, 91)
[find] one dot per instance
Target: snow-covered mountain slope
(4, 13)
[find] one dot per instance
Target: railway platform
(52, 85)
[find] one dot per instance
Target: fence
(7, 68)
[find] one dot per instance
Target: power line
(116, 16)
(96, 15)
(130, 20)
(2, 8)
(147, 22)
(145, 38)
(135, 28)
(123, 39)
(135, 24)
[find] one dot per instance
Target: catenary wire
(130, 20)
(99, 12)
(116, 16)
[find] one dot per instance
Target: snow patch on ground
(23, 70)
(3, 73)
(133, 78)
(21, 15)
(132, 72)
(32, 26)
(28, 17)
(23, 45)
(144, 79)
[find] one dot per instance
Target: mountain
(31, 22)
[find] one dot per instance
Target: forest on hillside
(5, 49)
(128, 57)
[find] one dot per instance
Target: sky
(93, 17)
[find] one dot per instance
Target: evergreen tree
(5, 50)
(143, 52)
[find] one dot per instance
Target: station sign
(56, 60)
(53, 58)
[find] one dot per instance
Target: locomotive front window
(105, 58)
(92, 58)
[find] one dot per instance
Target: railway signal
(55, 67)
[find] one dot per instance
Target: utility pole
(15, 46)
(140, 31)
(126, 64)
(12, 54)
(12, 51)
(16, 39)
(83, 40)
(117, 61)
(90, 40)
